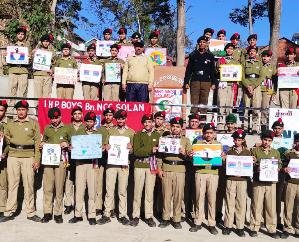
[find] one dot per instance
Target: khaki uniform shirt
(56, 135)
(66, 62)
(252, 66)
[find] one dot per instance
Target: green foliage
(240, 15)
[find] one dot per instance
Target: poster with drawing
(42, 60)
(1, 147)
(239, 165)
(103, 47)
(288, 77)
(169, 145)
(231, 73)
(226, 140)
(157, 55)
(65, 75)
(118, 154)
(90, 73)
(51, 154)
(207, 154)
(17, 55)
(86, 146)
(269, 170)
(113, 72)
(193, 134)
(294, 168)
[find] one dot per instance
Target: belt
(252, 76)
(174, 162)
(22, 147)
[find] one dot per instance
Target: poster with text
(118, 154)
(294, 168)
(207, 154)
(113, 72)
(17, 55)
(65, 75)
(103, 47)
(42, 60)
(86, 146)
(268, 170)
(169, 145)
(90, 73)
(239, 165)
(230, 73)
(288, 77)
(51, 154)
(157, 55)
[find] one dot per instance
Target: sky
(214, 13)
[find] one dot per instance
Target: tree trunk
(180, 39)
(250, 16)
(274, 9)
(53, 12)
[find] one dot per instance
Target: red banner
(135, 110)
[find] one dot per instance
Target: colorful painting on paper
(207, 154)
(113, 72)
(17, 55)
(157, 55)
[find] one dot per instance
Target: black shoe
(212, 230)
(279, 227)
(134, 222)
(6, 218)
(183, 219)
(104, 220)
(284, 235)
(150, 222)
(68, 209)
(112, 213)
(47, 217)
(226, 231)
(75, 220)
(195, 228)
(177, 225)
(92, 221)
(124, 221)
(35, 218)
(1, 214)
(164, 224)
(252, 233)
(240, 232)
(274, 235)
(99, 212)
(58, 219)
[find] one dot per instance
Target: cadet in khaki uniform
(221, 34)
(226, 90)
(107, 33)
(288, 97)
(145, 145)
(159, 122)
(122, 33)
(264, 193)
(238, 52)
(138, 75)
(3, 163)
(75, 128)
(66, 91)
(252, 41)
(111, 89)
(291, 209)
(18, 74)
(252, 86)
(85, 174)
(154, 39)
(23, 160)
(206, 184)
(43, 79)
(268, 72)
(54, 176)
(91, 89)
(121, 173)
(236, 190)
(172, 172)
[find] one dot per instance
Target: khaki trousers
(205, 184)
(263, 194)
(3, 185)
(90, 91)
(111, 92)
(53, 177)
(254, 101)
(99, 176)
(288, 98)
(143, 178)
(68, 190)
(15, 168)
(235, 203)
(291, 200)
(42, 86)
(199, 92)
(18, 86)
(225, 98)
(173, 184)
(65, 91)
(122, 174)
(85, 175)
(265, 105)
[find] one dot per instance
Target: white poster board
(86, 146)
(65, 75)
(231, 73)
(226, 140)
(288, 77)
(269, 170)
(42, 60)
(282, 143)
(113, 72)
(239, 165)
(103, 47)
(294, 167)
(90, 73)
(193, 134)
(118, 154)
(169, 145)
(17, 55)
(1, 148)
(51, 154)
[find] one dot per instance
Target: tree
(181, 32)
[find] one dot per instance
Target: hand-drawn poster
(226, 140)
(169, 145)
(42, 60)
(288, 77)
(157, 55)
(193, 134)
(269, 170)
(86, 146)
(103, 48)
(118, 154)
(294, 168)
(17, 55)
(90, 73)
(51, 154)
(217, 47)
(230, 73)
(239, 165)
(65, 75)
(207, 154)
(113, 72)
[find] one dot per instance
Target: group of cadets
(178, 188)
(259, 82)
